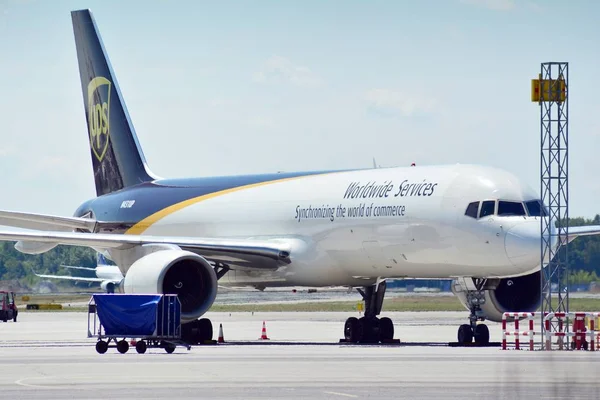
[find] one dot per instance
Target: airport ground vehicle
(9, 309)
(153, 321)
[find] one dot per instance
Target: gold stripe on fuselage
(144, 224)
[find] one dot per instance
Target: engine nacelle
(112, 286)
(179, 272)
(520, 294)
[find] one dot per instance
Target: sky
(236, 87)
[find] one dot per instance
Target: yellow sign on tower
(548, 90)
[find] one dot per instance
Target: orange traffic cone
(221, 338)
(263, 335)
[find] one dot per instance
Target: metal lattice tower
(552, 94)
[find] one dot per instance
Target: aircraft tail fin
(117, 157)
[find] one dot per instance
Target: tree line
(583, 259)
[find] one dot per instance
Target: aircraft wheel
(386, 329)
(101, 346)
(482, 334)
(169, 347)
(370, 329)
(122, 346)
(141, 347)
(205, 330)
(351, 330)
(465, 334)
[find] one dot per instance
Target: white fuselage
(350, 228)
(110, 273)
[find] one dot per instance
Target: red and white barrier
(530, 332)
(580, 333)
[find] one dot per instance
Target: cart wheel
(101, 346)
(169, 347)
(122, 346)
(141, 347)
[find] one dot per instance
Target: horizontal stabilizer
(70, 278)
(81, 268)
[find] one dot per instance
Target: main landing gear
(369, 328)
(474, 332)
(199, 331)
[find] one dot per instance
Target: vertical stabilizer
(117, 158)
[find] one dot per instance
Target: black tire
(482, 335)
(351, 330)
(386, 329)
(205, 330)
(122, 346)
(369, 328)
(101, 346)
(141, 347)
(465, 334)
(169, 348)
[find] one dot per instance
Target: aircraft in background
(109, 276)
(476, 225)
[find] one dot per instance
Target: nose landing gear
(474, 332)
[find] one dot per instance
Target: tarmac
(47, 355)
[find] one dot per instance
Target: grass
(414, 303)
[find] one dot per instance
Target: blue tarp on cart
(129, 314)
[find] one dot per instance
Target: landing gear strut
(369, 328)
(467, 333)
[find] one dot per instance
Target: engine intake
(179, 272)
(520, 294)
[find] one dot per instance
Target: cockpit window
(487, 208)
(472, 209)
(535, 208)
(507, 208)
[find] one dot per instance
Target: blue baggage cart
(152, 320)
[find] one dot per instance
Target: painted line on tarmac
(341, 394)
(21, 382)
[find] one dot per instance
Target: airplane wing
(248, 253)
(44, 222)
(589, 230)
(71, 278)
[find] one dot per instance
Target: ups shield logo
(99, 115)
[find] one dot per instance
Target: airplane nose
(522, 244)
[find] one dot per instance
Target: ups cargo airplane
(477, 225)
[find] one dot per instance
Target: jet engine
(520, 294)
(112, 286)
(179, 272)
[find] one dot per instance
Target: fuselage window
(487, 208)
(507, 208)
(472, 209)
(535, 208)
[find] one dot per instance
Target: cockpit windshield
(505, 208)
(510, 208)
(535, 208)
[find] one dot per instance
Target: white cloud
(279, 69)
(496, 5)
(393, 102)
